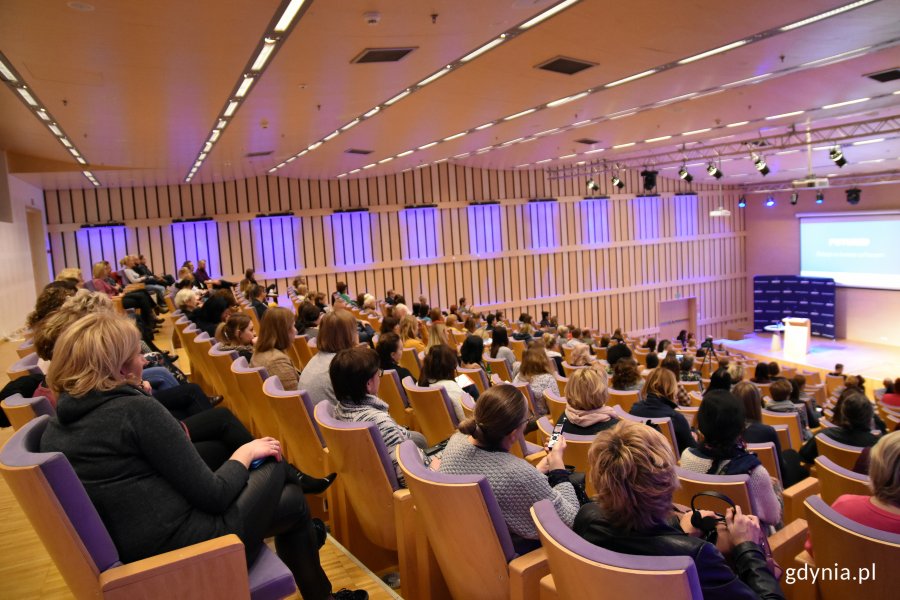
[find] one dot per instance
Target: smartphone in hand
(557, 431)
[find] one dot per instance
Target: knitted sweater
(515, 483)
(277, 363)
(316, 380)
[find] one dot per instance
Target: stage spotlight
(683, 173)
(837, 156)
(742, 202)
(794, 197)
(760, 163)
(713, 170)
(592, 186)
(820, 198)
(649, 179)
(770, 201)
(853, 196)
(617, 182)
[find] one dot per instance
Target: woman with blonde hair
(659, 393)
(882, 509)
(276, 334)
(586, 410)
(438, 335)
(538, 372)
(409, 333)
(337, 331)
(633, 470)
(580, 356)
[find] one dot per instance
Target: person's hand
(688, 527)
(743, 528)
(555, 456)
(146, 386)
(261, 448)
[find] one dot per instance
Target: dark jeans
(184, 400)
(272, 504)
(216, 434)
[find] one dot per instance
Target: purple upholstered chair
(663, 425)
(470, 540)
(835, 481)
(21, 410)
(736, 487)
(27, 365)
(391, 391)
(56, 503)
(433, 411)
(841, 454)
(580, 569)
(250, 380)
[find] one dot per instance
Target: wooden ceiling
(137, 86)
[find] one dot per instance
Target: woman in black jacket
(659, 401)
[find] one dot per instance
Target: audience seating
(841, 454)
(765, 451)
(20, 410)
(624, 399)
(561, 383)
(690, 413)
(498, 367)
(579, 569)
(390, 389)
(410, 361)
(839, 541)
(812, 377)
(555, 404)
(691, 386)
(835, 481)
(220, 361)
(735, 487)
(464, 546)
(577, 446)
(468, 406)
(518, 348)
(569, 369)
(250, 380)
(26, 348)
(27, 365)
(56, 503)
(599, 352)
(302, 351)
(662, 424)
(478, 377)
(791, 419)
(433, 411)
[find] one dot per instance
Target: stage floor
(872, 361)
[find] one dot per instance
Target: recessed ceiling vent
(358, 151)
(885, 76)
(381, 55)
(566, 66)
(587, 141)
(258, 154)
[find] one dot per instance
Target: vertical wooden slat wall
(601, 263)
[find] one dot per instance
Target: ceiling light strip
(276, 32)
(827, 14)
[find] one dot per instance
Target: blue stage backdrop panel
(420, 236)
(778, 296)
(196, 241)
(96, 244)
(351, 236)
(485, 229)
(543, 224)
(275, 243)
(594, 221)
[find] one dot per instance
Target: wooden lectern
(796, 338)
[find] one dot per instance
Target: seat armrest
(215, 568)
(794, 497)
(405, 522)
(535, 458)
(803, 589)
(525, 574)
(548, 588)
(789, 541)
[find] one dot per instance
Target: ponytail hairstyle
(499, 410)
(229, 332)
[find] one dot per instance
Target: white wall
(17, 278)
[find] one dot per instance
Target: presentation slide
(855, 250)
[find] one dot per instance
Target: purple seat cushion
(269, 577)
(840, 520)
(39, 404)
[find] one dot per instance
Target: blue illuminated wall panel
(419, 233)
(351, 236)
(543, 224)
(594, 221)
(275, 245)
(647, 217)
(101, 243)
(686, 215)
(485, 227)
(195, 241)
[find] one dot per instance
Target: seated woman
(389, 351)
(882, 509)
(130, 454)
(500, 348)
(781, 389)
(761, 373)
(337, 331)
(538, 372)
(135, 298)
(627, 375)
(671, 363)
(854, 421)
(409, 333)
(659, 401)
(586, 410)
(187, 302)
(722, 452)
(439, 369)
(276, 335)
(580, 356)
(355, 377)
(471, 353)
(437, 336)
(257, 296)
(803, 400)
(217, 308)
(237, 335)
(308, 316)
(633, 469)
(482, 448)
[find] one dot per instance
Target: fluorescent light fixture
(485, 126)
(566, 100)
(87, 174)
(546, 160)
(355, 171)
(718, 50)
(567, 156)
(547, 14)
(407, 153)
(207, 146)
(43, 114)
(510, 142)
(580, 123)
(74, 152)
(202, 157)
(350, 124)
(280, 165)
(301, 153)
(290, 160)
(622, 115)
(483, 150)
(229, 110)
(371, 112)
(873, 160)
(221, 124)
(385, 160)
(676, 99)
(331, 136)
(754, 79)
(827, 14)
(481, 50)
(342, 175)
(7, 73)
(787, 114)
(65, 142)
(215, 135)
(272, 170)
(55, 129)
(454, 136)
(547, 131)
(288, 15)
(657, 139)
(834, 57)
(823, 148)
(522, 166)
(847, 103)
(263, 56)
(27, 96)
(630, 78)
(245, 86)
(696, 131)
(314, 146)
(431, 78)
(595, 151)
(369, 166)
(864, 142)
(519, 114)
(785, 152)
(426, 146)
(624, 145)
(397, 98)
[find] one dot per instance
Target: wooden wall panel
(602, 262)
